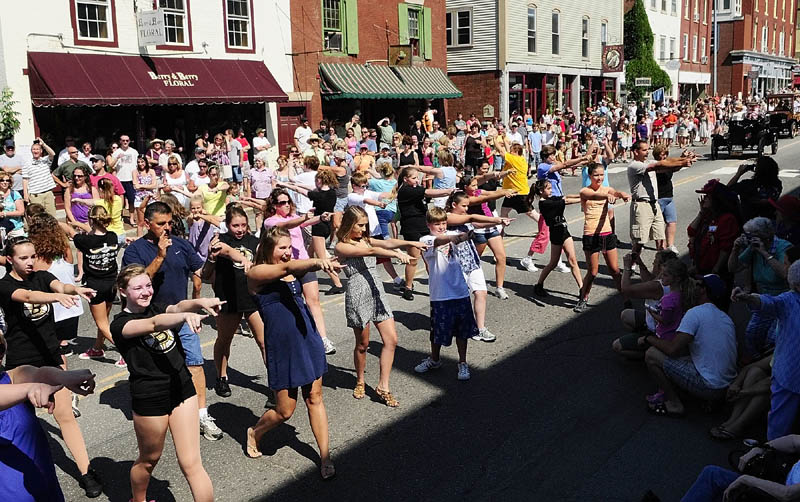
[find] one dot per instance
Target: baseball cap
(789, 205)
(384, 147)
(715, 286)
(96, 158)
(199, 149)
(339, 155)
(9, 143)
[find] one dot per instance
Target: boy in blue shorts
(451, 310)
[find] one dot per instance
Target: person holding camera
(756, 192)
(764, 256)
(717, 484)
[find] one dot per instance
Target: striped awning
(356, 81)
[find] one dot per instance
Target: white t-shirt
(259, 142)
(126, 163)
(235, 153)
(200, 180)
(163, 159)
(445, 278)
(63, 156)
(192, 168)
(354, 199)
(713, 345)
(302, 202)
(515, 137)
(301, 134)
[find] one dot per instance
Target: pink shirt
(672, 313)
(118, 190)
(298, 247)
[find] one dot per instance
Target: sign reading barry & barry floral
(175, 79)
(150, 27)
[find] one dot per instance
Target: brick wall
(377, 30)
(479, 89)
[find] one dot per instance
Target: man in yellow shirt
(215, 193)
(517, 180)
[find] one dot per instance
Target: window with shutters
(459, 28)
(532, 29)
(176, 21)
(239, 26)
(585, 38)
(332, 30)
(555, 30)
(415, 29)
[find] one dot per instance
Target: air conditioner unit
(333, 42)
(696, 17)
(704, 59)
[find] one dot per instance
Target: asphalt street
(550, 413)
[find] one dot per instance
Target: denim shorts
(668, 209)
(191, 346)
(484, 238)
(683, 372)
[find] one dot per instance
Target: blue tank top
(26, 467)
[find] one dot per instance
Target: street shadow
(119, 398)
(120, 491)
(234, 421)
(576, 428)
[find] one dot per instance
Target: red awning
(60, 79)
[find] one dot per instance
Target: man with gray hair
(764, 256)
(785, 388)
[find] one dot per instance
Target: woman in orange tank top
(598, 236)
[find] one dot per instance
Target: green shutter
(427, 36)
(402, 23)
(351, 26)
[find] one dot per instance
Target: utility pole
(716, 42)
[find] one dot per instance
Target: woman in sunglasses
(13, 208)
(176, 181)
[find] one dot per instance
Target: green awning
(356, 81)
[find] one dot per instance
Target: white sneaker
(463, 371)
(635, 268)
(563, 268)
(501, 293)
(484, 335)
(329, 347)
(427, 364)
(673, 249)
(208, 429)
(528, 264)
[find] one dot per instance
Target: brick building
(694, 76)
(757, 47)
(340, 52)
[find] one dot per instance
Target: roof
(357, 81)
(64, 79)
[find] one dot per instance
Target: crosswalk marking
(725, 170)
(614, 170)
(784, 173)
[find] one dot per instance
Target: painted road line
(725, 170)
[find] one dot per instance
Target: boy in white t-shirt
(451, 310)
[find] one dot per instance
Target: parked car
(754, 134)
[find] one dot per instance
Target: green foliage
(9, 118)
(639, 38)
(639, 54)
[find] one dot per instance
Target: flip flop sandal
(720, 433)
(327, 471)
(360, 390)
(660, 409)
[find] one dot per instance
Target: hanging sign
(150, 28)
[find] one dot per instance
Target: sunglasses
(78, 176)
(172, 163)
(282, 202)
(5, 181)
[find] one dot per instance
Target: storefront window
(551, 92)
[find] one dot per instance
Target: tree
(639, 54)
(9, 117)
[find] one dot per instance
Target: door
(289, 115)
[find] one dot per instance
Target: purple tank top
(79, 211)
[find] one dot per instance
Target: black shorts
(322, 229)
(559, 234)
(238, 304)
(67, 329)
(518, 203)
(106, 290)
(162, 404)
(413, 236)
(599, 243)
